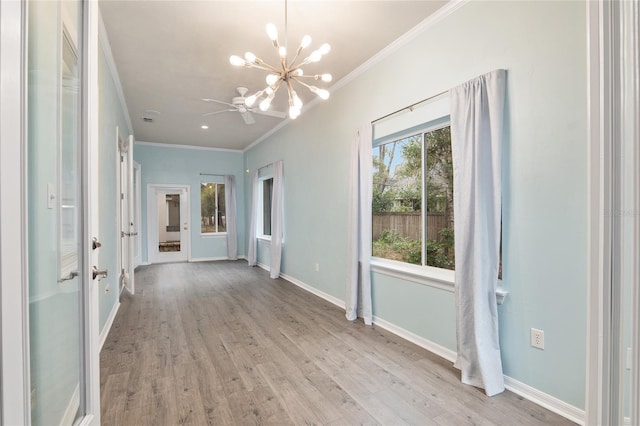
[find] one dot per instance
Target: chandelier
(287, 73)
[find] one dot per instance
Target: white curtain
(230, 205)
(477, 112)
(358, 298)
(276, 220)
(252, 250)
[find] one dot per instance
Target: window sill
(265, 238)
(214, 235)
(442, 279)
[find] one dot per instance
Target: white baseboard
(536, 396)
(107, 326)
(263, 266)
(437, 349)
(321, 294)
(70, 413)
(209, 259)
(545, 400)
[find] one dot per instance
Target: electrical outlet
(537, 338)
(317, 267)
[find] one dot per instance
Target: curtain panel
(477, 121)
(252, 249)
(358, 295)
(277, 206)
(231, 216)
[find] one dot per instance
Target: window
(212, 208)
(266, 196)
(413, 199)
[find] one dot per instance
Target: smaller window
(267, 195)
(212, 208)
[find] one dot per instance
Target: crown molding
(106, 47)
(173, 145)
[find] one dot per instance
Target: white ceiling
(171, 54)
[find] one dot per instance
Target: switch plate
(537, 338)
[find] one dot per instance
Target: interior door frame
(14, 312)
(153, 254)
(137, 241)
(613, 33)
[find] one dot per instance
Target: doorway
(168, 223)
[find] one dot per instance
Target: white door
(127, 219)
(168, 223)
(62, 212)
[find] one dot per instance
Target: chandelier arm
(265, 67)
(303, 83)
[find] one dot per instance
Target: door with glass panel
(55, 205)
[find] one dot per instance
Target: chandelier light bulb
(325, 77)
(251, 100)
(272, 79)
(325, 48)
(269, 90)
(264, 105)
(324, 94)
(315, 56)
(296, 101)
(282, 51)
(272, 32)
(306, 41)
(297, 72)
(250, 57)
(236, 60)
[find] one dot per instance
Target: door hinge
(121, 159)
(122, 196)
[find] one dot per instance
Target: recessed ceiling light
(204, 126)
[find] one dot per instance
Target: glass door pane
(54, 208)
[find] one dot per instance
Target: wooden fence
(409, 224)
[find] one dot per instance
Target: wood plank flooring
(221, 343)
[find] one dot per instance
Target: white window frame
(214, 234)
(260, 211)
(422, 274)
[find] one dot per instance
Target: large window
(413, 199)
(212, 208)
(266, 196)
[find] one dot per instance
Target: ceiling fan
(237, 104)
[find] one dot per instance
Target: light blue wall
(112, 117)
(543, 47)
(170, 165)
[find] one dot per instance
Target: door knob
(102, 273)
(96, 243)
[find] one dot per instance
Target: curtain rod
(409, 107)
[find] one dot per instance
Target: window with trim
(264, 218)
(413, 199)
(212, 208)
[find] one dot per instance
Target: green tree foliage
(207, 206)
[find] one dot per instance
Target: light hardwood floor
(221, 343)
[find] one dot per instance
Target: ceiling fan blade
(218, 112)
(247, 117)
(219, 102)
(278, 114)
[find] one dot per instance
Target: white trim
(393, 47)
(427, 344)
(545, 400)
(209, 259)
(107, 325)
(442, 279)
(213, 235)
(14, 320)
(70, 413)
(321, 294)
(173, 145)
(111, 63)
